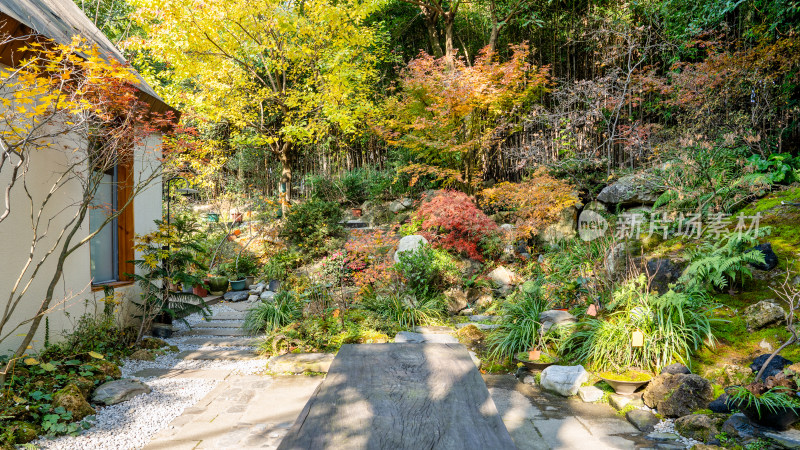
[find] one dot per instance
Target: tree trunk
(431, 18)
(285, 189)
(449, 20)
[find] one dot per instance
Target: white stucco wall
(73, 295)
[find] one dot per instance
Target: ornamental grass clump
(521, 329)
(672, 327)
(269, 316)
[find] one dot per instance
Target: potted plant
(200, 289)
(238, 282)
(535, 359)
(217, 281)
(625, 383)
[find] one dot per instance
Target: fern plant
(715, 266)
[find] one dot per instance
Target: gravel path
(131, 424)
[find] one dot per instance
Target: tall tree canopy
(284, 75)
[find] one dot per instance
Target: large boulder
(662, 272)
(775, 366)
(503, 277)
(409, 244)
(762, 314)
(640, 188)
(564, 380)
(456, 299)
(770, 258)
(397, 207)
(555, 317)
(678, 395)
(72, 400)
(617, 261)
(565, 228)
(118, 391)
(700, 427)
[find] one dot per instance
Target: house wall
(73, 295)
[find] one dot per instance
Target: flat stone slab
(211, 342)
(419, 338)
(229, 316)
(480, 326)
(241, 306)
(208, 374)
(301, 362)
(216, 332)
(434, 330)
(118, 391)
(484, 318)
(209, 355)
(400, 396)
(220, 324)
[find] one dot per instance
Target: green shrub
(268, 316)
(309, 225)
(521, 327)
(91, 333)
(426, 270)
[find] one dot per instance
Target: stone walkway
(242, 411)
(256, 411)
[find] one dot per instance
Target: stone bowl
(624, 387)
(531, 365)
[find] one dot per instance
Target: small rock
(267, 296)
(770, 258)
(466, 312)
(644, 421)
(720, 405)
(397, 207)
(590, 394)
(675, 369)
(564, 380)
(252, 298)
(700, 427)
(118, 391)
(529, 379)
(407, 202)
(555, 317)
(619, 402)
(409, 244)
(257, 289)
(142, 355)
(775, 366)
(507, 227)
(764, 345)
(762, 314)
(301, 362)
(503, 276)
(236, 296)
(678, 395)
(663, 437)
(484, 301)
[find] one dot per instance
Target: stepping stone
(241, 306)
(228, 316)
(242, 342)
(209, 355)
(480, 326)
(484, 318)
(220, 324)
(419, 338)
(644, 421)
(301, 362)
(434, 330)
(216, 332)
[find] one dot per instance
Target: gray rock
(257, 289)
(644, 421)
(267, 296)
(662, 272)
(640, 188)
(556, 318)
(397, 207)
(419, 338)
(617, 261)
(529, 379)
(775, 366)
(663, 437)
(762, 314)
(738, 426)
(788, 439)
(678, 395)
(456, 300)
(590, 394)
(720, 405)
(675, 369)
(770, 258)
(700, 427)
(564, 380)
(118, 391)
(503, 276)
(409, 244)
(565, 228)
(252, 298)
(301, 362)
(484, 300)
(595, 206)
(236, 296)
(619, 401)
(407, 202)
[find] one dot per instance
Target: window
(104, 246)
(111, 249)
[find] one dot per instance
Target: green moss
(628, 375)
